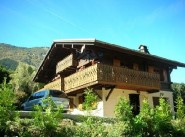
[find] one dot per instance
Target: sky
(158, 24)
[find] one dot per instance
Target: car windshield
(56, 93)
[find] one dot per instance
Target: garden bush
(155, 122)
(179, 123)
(90, 100)
(7, 109)
(162, 119)
(144, 122)
(46, 123)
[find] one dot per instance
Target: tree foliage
(123, 109)
(4, 73)
(179, 89)
(22, 81)
(7, 98)
(180, 108)
(90, 100)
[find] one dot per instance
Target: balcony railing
(57, 84)
(111, 75)
(83, 77)
(66, 63)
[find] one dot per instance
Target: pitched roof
(59, 49)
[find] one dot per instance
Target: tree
(4, 73)
(7, 113)
(178, 90)
(22, 82)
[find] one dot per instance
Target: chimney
(144, 49)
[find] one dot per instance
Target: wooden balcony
(66, 63)
(112, 75)
(57, 84)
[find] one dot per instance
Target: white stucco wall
(106, 108)
(109, 105)
(166, 94)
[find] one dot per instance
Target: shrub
(123, 110)
(46, 123)
(90, 100)
(20, 127)
(91, 127)
(66, 131)
(179, 122)
(7, 109)
(180, 108)
(143, 123)
(118, 129)
(162, 119)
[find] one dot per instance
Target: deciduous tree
(4, 73)
(22, 81)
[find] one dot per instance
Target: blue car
(58, 97)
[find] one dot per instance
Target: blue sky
(159, 24)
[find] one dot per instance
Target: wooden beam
(67, 46)
(77, 47)
(110, 92)
(98, 95)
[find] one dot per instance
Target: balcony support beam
(98, 95)
(110, 92)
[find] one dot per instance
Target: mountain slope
(10, 55)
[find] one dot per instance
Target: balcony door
(134, 102)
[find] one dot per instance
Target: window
(156, 101)
(56, 93)
(31, 97)
(39, 94)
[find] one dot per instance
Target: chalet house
(112, 71)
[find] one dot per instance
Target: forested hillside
(10, 55)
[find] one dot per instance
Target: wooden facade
(73, 65)
(67, 63)
(57, 84)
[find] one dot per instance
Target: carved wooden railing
(57, 84)
(65, 63)
(105, 74)
(120, 75)
(80, 78)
